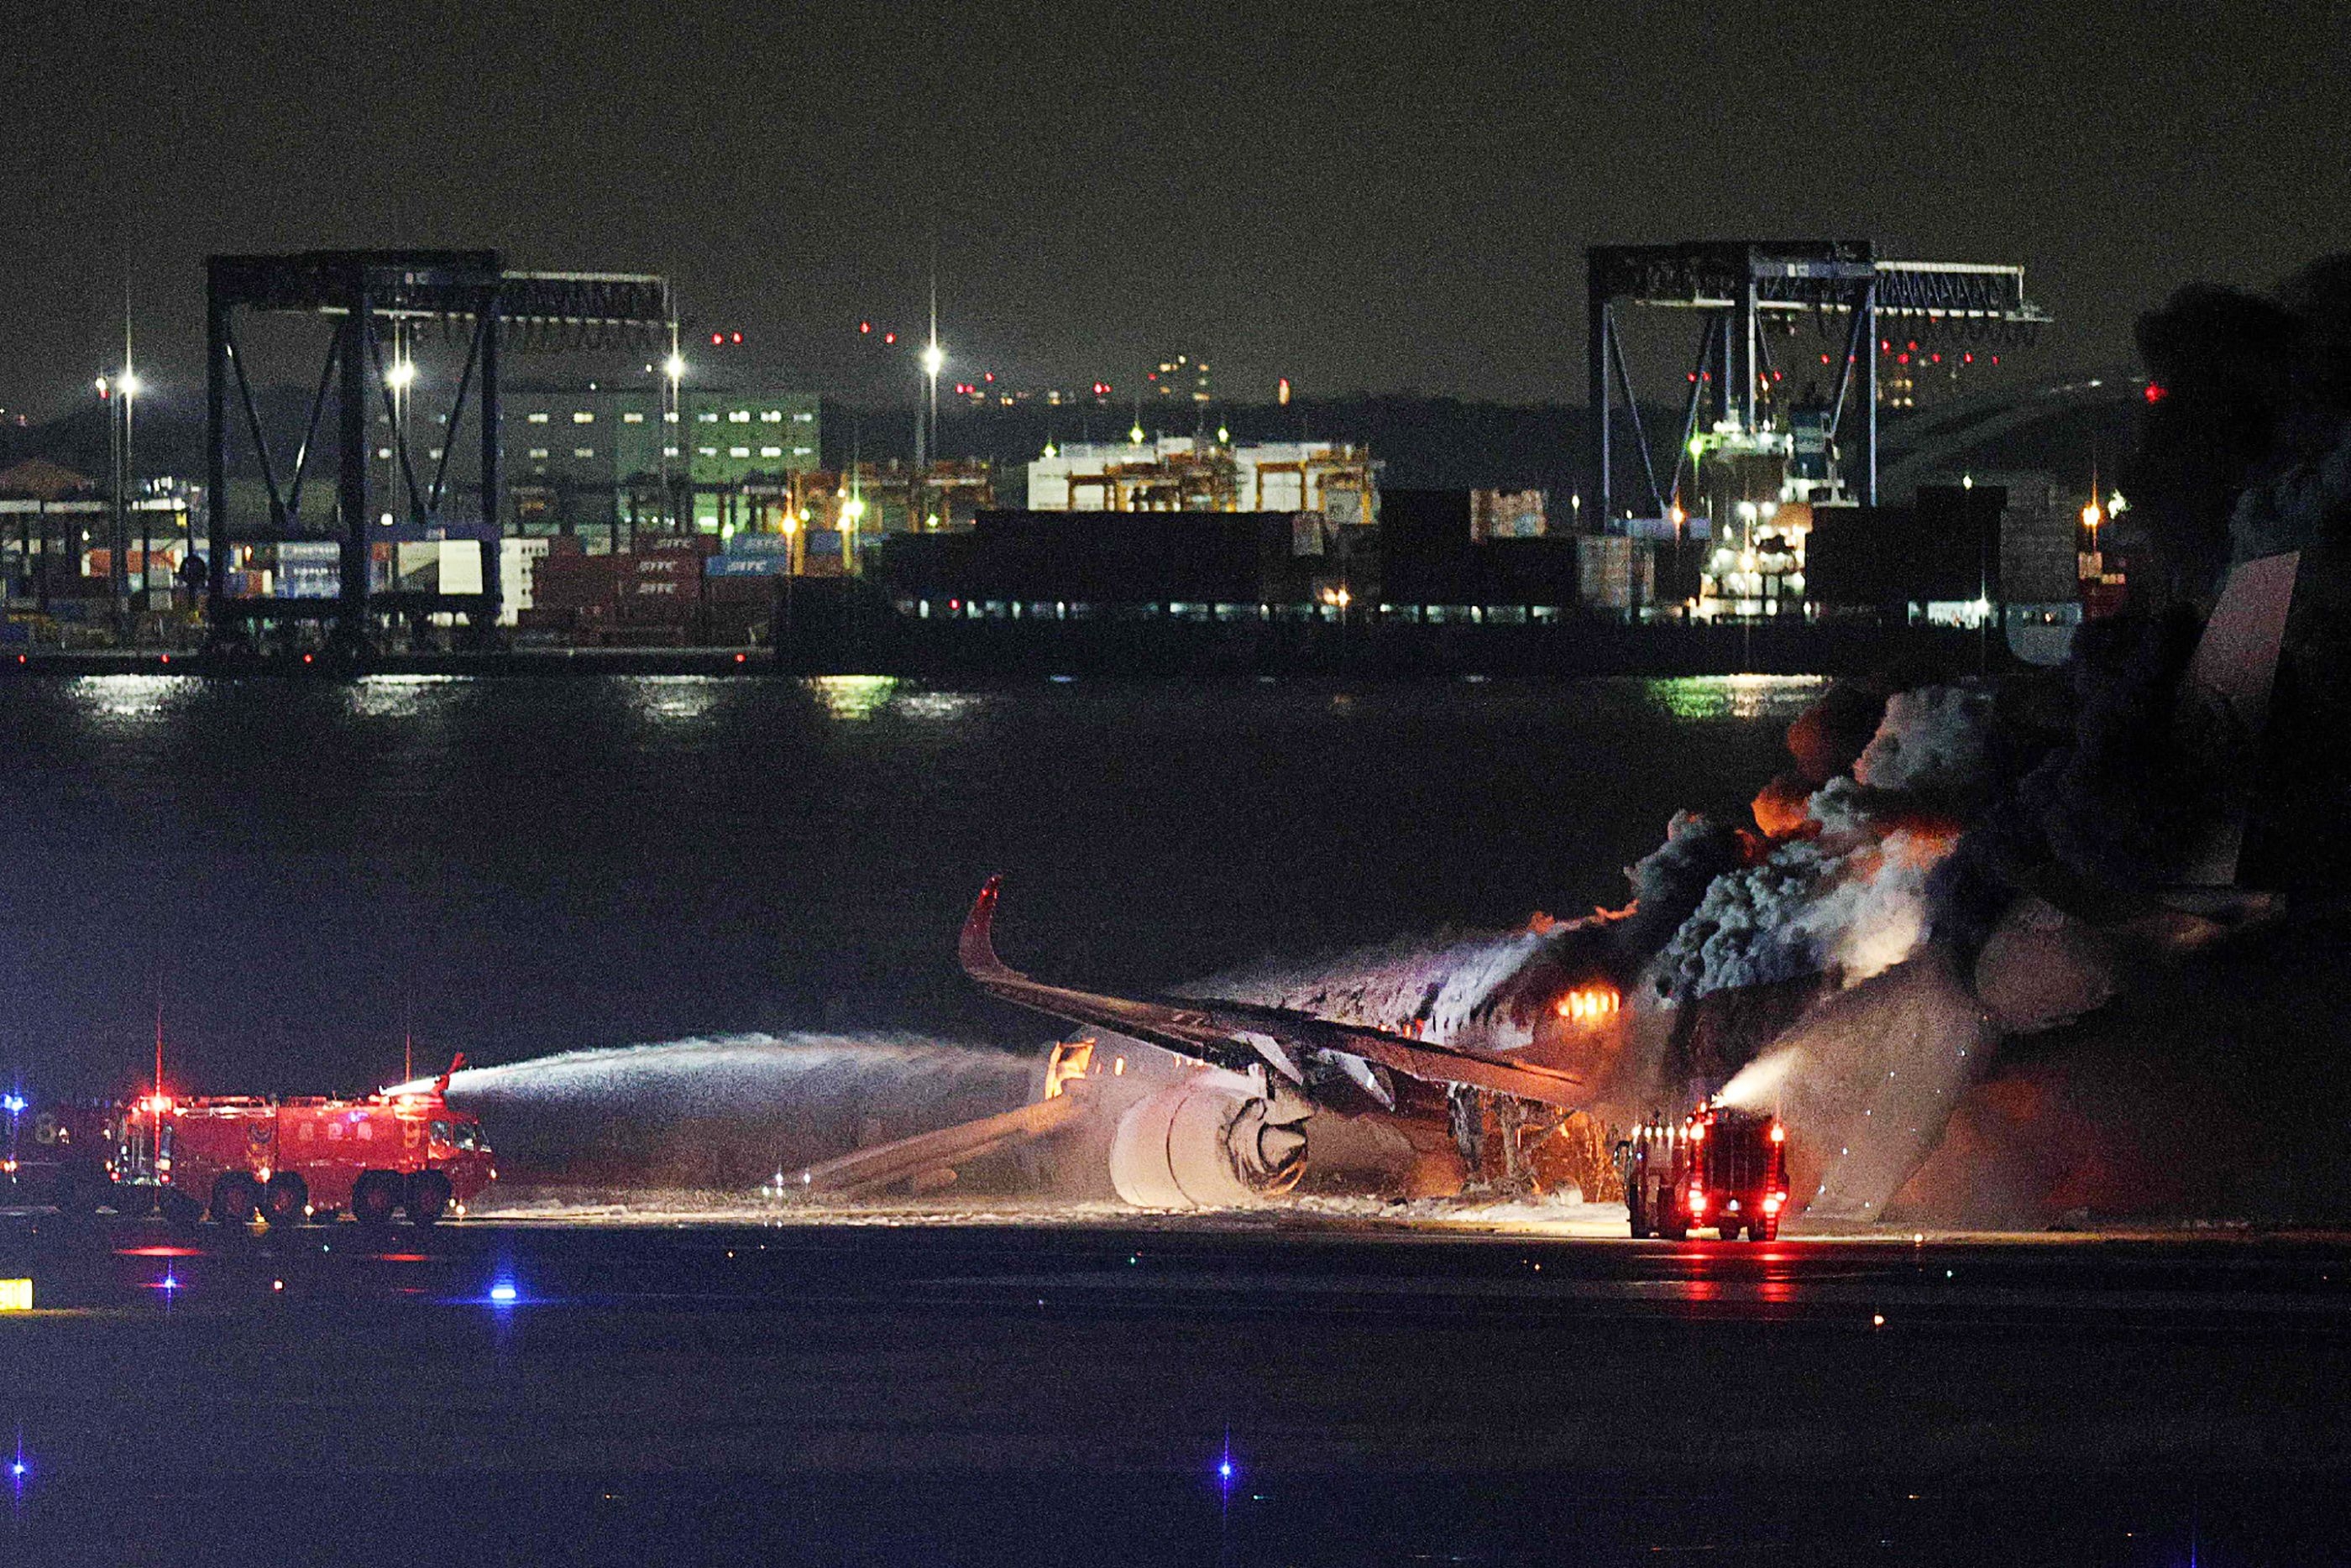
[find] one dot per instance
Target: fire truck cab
(1718, 1166)
(63, 1153)
(295, 1159)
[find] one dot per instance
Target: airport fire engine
(63, 1153)
(1718, 1166)
(286, 1160)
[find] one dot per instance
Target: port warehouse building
(591, 461)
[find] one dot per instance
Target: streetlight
(934, 359)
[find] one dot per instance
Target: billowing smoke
(726, 1113)
(1996, 884)
(1846, 892)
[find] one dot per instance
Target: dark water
(302, 869)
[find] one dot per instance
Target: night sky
(1357, 197)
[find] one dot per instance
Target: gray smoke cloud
(1851, 896)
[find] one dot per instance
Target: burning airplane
(1925, 939)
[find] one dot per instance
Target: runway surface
(982, 1393)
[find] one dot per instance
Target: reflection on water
(401, 696)
(673, 698)
(140, 697)
(1735, 696)
(852, 697)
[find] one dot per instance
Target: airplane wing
(1239, 1035)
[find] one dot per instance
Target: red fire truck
(1716, 1166)
(287, 1160)
(293, 1159)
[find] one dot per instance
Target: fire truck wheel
(132, 1202)
(1633, 1212)
(428, 1197)
(1675, 1231)
(179, 1208)
(76, 1191)
(235, 1197)
(285, 1198)
(375, 1196)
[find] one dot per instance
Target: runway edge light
(16, 1295)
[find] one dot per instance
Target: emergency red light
(717, 339)
(2155, 392)
(1779, 1133)
(735, 338)
(864, 327)
(1698, 1201)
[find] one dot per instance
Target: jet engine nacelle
(1211, 1141)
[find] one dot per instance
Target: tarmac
(649, 1383)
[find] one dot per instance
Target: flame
(1589, 1004)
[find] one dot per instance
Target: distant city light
(674, 365)
(129, 383)
(933, 357)
(400, 376)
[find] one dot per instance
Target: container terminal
(1803, 499)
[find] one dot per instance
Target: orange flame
(1589, 1004)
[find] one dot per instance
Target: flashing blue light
(1225, 1470)
(13, 1104)
(504, 1294)
(171, 1281)
(17, 1470)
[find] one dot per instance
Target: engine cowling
(1210, 1142)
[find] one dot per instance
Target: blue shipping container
(755, 566)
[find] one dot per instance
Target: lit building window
(804, 417)
(539, 418)
(738, 451)
(582, 416)
(539, 452)
(803, 451)
(771, 451)
(707, 450)
(633, 419)
(583, 452)
(669, 451)
(384, 453)
(671, 417)
(435, 454)
(771, 416)
(739, 416)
